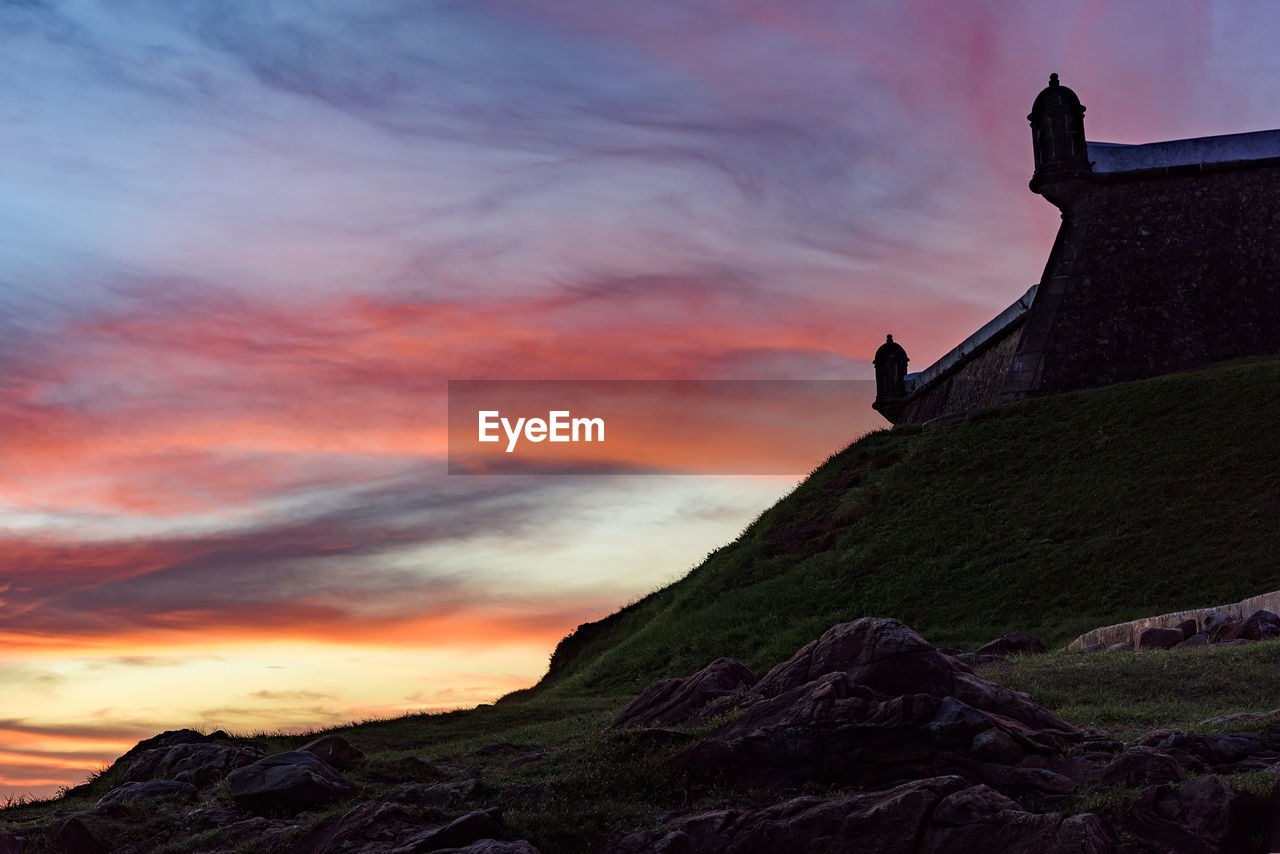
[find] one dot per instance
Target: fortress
(1168, 258)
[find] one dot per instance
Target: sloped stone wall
(1157, 274)
(976, 383)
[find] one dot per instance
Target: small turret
(1057, 137)
(891, 372)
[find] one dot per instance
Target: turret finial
(1053, 80)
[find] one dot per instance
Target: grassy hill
(1052, 516)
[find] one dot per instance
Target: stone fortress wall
(1168, 258)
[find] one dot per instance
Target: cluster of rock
(172, 784)
(908, 750)
(931, 758)
(1214, 629)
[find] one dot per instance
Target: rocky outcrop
(286, 783)
(187, 756)
(866, 739)
(871, 702)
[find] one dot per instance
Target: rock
(980, 659)
(435, 795)
(188, 757)
(1202, 816)
(1198, 639)
(418, 769)
(146, 792)
(978, 819)
(370, 822)
(1120, 647)
(1260, 625)
(1213, 624)
(74, 837)
(501, 748)
(870, 702)
(286, 783)
(1241, 717)
(680, 701)
(1014, 643)
(1158, 638)
(1270, 830)
(1202, 752)
(496, 846)
(1141, 766)
(654, 842)
(880, 654)
(334, 751)
(940, 815)
(251, 834)
(470, 828)
(1188, 628)
(1093, 647)
(996, 745)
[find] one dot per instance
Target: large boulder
(1160, 638)
(880, 654)
(286, 783)
(680, 701)
(1014, 643)
(871, 702)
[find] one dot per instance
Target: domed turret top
(1057, 140)
(890, 349)
(1054, 95)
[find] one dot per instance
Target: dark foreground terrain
(867, 739)
(750, 707)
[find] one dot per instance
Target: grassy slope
(1053, 516)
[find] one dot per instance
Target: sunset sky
(244, 246)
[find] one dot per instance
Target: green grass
(1128, 693)
(1053, 516)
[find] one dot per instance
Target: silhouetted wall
(1155, 273)
(976, 383)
